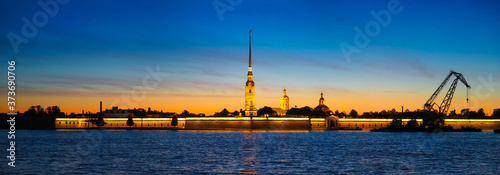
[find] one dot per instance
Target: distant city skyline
(176, 56)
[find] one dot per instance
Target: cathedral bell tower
(285, 101)
(321, 100)
(250, 109)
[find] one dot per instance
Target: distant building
(285, 101)
(118, 113)
(321, 109)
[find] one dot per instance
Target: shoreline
(233, 123)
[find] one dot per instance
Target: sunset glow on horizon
(179, 56)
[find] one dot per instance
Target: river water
(220, 152)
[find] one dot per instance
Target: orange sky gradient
(363, 101)
(103, 51)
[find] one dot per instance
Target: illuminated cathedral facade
(250, 109)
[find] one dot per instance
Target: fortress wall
(71, 123)
(120, 123)
(281, 125)
(365, 124)
(245, 123)
(217, 124)
(368, 124)
(261, 123)
(319, 124)
(201, 123)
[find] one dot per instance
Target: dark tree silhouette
(266, 110)
(174, 120)
(452, 113)
(141, 112)
(100, 120)
(412, 123)
(54, 111)
(38, 118)
(39, 110)
(185, 113)
(471, 114)
(293, 111)
(49, 112)
(130, 121)
(480, 113)
(31, 112)
(235, 113)
(496, 114)
(464, 111)
(305, 111)
(342, 114)
(224, 112)
(321, 111)
(353, 113)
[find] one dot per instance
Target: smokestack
(101, 107)
(402, 109)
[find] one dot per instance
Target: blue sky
(94, 50)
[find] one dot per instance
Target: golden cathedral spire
(250, 109)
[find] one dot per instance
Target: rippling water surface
(215, 152)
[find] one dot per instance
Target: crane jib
(445, 104)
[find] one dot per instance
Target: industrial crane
(445, 105)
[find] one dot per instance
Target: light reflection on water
(216, 152)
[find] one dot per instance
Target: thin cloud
(338, 90)
(400, 66)
(201, 95)
(400, 92)
(327, 65)
(68, 93)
